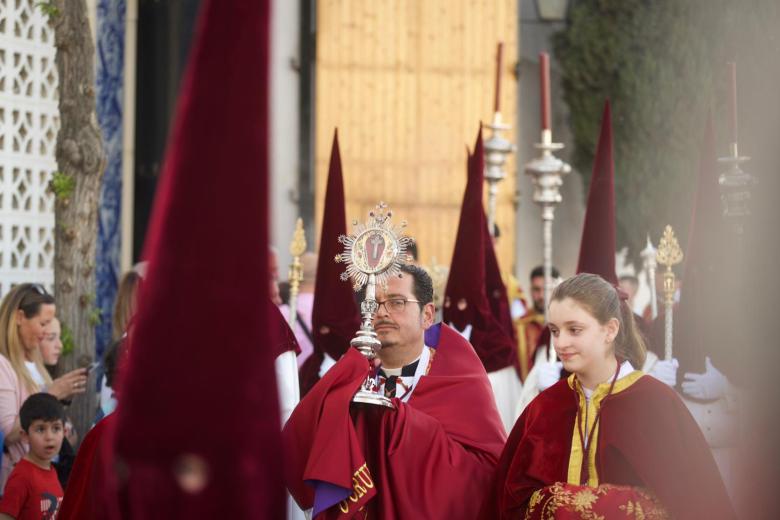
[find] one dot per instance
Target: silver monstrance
(373, 253)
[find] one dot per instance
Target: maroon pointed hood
(201, 341)
(696, 335)
(597, 248)
(494, 286)
(466, 301)
(335, 315)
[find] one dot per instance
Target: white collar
(625, 369)
(397, 371)
(422, 367)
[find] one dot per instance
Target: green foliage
(49, 9)
(62, 185)
(95, 316)
(662, 66)
(66, 336)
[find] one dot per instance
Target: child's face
(51, 346)
(582, 343)
(45, 439)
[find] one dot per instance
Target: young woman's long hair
(28, 298)
(126, 303)
(602, 301)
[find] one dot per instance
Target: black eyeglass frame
(403, 307)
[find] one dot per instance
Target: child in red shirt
(33, 491)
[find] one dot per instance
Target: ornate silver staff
(497, 148)
(374, 252)
(734, 183)
(735, 187)
(669, 254)
(496, 151)
(295, 274)
(650, 264)
(547, 172)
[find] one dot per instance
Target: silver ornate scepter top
(497, 148)
(374, 252)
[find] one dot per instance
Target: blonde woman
(24, 315)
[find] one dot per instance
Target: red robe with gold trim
(432, 457)
(646, 439)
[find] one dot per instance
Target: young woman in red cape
(608, 441)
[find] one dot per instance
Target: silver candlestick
(547, 172)
(497, 148)
(375, 251)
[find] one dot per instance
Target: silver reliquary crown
(377, 247)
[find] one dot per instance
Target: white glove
(666, 371)
(517, 310)
(287, 383)
(549, 374)
(709, 385)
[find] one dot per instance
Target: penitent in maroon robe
(432, 457)
(91, 478)
(646, 440)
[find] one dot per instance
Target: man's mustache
(384, 322)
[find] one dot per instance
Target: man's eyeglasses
(395, 305)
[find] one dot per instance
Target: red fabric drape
(199, 394)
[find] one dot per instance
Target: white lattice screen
(29, 120)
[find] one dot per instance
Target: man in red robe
(432, 455)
